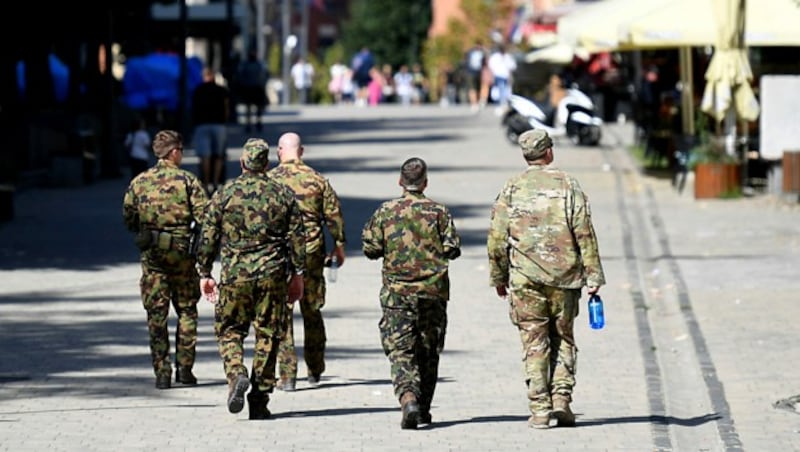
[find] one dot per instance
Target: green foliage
(710, 148)
(711, 152)
(394, 31)
(447, 50)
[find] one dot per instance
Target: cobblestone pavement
(698, 347)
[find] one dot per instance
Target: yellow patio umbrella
(680, 23)
(594, 27)
(728, 75)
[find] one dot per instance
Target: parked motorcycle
(574, 118)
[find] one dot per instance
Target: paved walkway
(701, 305)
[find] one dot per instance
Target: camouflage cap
(256, 154)
(534, 143)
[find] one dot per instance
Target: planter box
(716, 180)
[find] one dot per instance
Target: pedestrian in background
(416, 238)
(138, 145)
(474, 61)
(361, 66)
(210, 109)
(255, 227)
(338, 71)
(320, 207)
(160, 206)
(542, 250)
(303, 76)
(502, 65)
(252, 80)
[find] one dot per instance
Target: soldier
(320, 207)
(416, 237)
(160, 206)
(542, 250)
(255, 226)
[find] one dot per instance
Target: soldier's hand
(208, 287)
(502, 292)
(296, 288)
(339, 253)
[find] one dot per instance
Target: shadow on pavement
(660, 420)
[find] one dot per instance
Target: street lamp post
(286, 25)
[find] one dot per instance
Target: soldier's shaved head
(290, 146)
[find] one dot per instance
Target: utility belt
(149, 239)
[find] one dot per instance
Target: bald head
(289, 146)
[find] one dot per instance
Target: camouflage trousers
(182, 291)
(412, 334)
(545, 318)
(260, 303)
(314, 337)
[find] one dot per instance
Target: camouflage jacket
(416, 237)
(541, 226)
(318, 202)
(255, 226)
(164, 198)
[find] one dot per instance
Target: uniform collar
(167, 162)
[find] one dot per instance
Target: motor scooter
(574, 118)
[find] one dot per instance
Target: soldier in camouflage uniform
(160, 206)
(416, 238)
(542, 250)
(255, 226)
(320, 207)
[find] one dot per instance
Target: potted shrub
(716, 172)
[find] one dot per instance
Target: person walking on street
(251, 81)
(502, 65)
(303, 77)
(161, 206)
(320, 207)
(542, 250)
(210, 109)
(138, 145)
(416, 237)
(253, 223)
(474, 60)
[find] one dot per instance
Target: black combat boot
(257, 404)
(185, 376)
(236, 394)
(163, 381)
(410, 409)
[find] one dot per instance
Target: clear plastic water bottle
(333, 269)
(597, 319)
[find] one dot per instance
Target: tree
(447, 50)
(394, 31)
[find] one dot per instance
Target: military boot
(163, 381)
(562, 412)
(287, 384)
(236, 394)
(185, 376)
(425, 417)
(539, 420)
(410, 410)
(257, 405)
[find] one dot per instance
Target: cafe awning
(681, 23)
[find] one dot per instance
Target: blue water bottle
(596, 317)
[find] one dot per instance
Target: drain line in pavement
(716, 391)
(652, 371)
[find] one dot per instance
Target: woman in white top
(502, 66)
